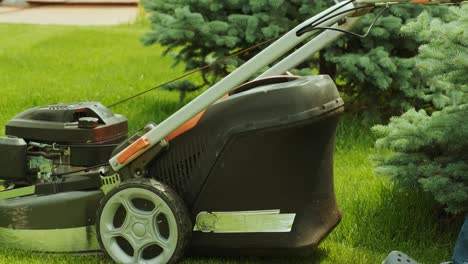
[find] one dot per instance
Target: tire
(143, 221)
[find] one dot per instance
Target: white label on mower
(265, 221)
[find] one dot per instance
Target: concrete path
(103, 2)
(69, 14)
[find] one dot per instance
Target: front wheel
(143, 221)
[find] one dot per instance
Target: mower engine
(45, 144)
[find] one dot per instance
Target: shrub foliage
(429, 150)
(375, 72)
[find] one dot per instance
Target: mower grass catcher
(252, 176)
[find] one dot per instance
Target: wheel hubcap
(139, 229)
(144, 240)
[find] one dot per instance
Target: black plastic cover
(288, 168)
(269, 147)
(192, 155)
(91, 130)
(59, 123)
(68, 183)
(12, 158)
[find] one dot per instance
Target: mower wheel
(143, 221)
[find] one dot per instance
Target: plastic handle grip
(138, 145)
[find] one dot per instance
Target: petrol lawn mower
(245, 168)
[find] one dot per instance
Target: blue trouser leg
(460, 256)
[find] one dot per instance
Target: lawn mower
(246, 168)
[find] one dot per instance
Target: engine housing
(59, 138)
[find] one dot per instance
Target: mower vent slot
(177, 166)
(109, 182)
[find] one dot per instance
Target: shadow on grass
(314, 257)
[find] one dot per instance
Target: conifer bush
(429, 147)
(375, 72)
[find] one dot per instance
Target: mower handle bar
(263, 59)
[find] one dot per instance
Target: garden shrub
(429, 147)
(374, 73)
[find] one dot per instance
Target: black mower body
(268, 146)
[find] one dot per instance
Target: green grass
(47, 64)
(40, 65)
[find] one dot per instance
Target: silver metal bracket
(264, 221)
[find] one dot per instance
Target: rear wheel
(143, 221)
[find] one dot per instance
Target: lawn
(40, 65)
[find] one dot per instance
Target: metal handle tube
(240, 75)
(309, 49)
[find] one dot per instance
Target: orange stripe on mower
(188, 125)
(421, 1)
(185, 127)
(138, 145)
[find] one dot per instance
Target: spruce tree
(377, 71)
(429, 147)
(374, 72)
